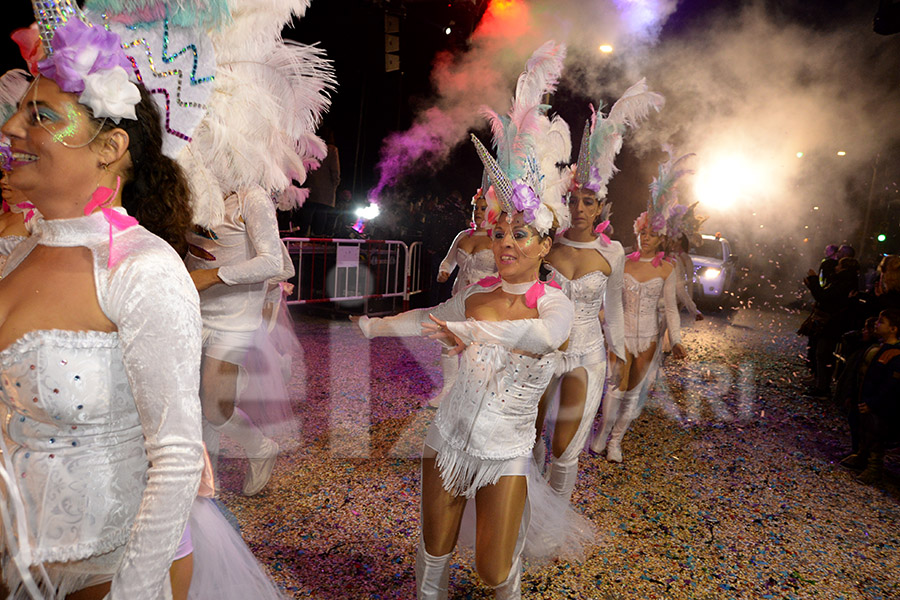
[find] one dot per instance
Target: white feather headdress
(530, 145)
(603, 136)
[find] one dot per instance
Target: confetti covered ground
(730, 486)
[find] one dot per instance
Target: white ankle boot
(432, 574)
(609, 410)
(449, 370)
(260, 450)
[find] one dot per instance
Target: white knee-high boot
(449, 370)
(609, 411)
(626, 416)
(563, 475)
(260, 450)
(539, 453)
(432, 574)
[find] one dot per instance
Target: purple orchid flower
(525, 201)
(79, 50)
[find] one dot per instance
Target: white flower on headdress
(543, 219)
(110, 94)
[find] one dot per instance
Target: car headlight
(711, 273)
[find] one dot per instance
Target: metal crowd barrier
(346, 270)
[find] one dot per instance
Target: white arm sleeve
(613, 311)
(409, 324)
(450, 261)
(258, 212)
(155, 307)
(537, 336)
(673, 319)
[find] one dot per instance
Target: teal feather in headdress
(206, 14)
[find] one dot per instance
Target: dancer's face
(650, 241)
(518, 249)
(51, 137)
(478, 211)
(11, 195)
(584, 208)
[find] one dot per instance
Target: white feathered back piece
(530, 145)
(269, 97)
(596, 160)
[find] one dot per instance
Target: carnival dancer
(589, 267)
(507, 328)
(258, 136)
(471, 251)
(101, 444)
(649, 279)
(678, 249)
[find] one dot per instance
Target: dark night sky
(370, 103)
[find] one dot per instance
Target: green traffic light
(881, 237)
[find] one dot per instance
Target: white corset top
(74, 444)
(586, 343)
(474, 267)
(640, 302)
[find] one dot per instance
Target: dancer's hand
(678, 351)
(438, 331)
(443, 276)
(205, 278)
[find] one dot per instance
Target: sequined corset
(640, 302)
(586, 343)
(473, 267)
(75, 449)
(491, 409)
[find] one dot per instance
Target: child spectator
(879, 398)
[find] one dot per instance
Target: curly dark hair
(156, 190)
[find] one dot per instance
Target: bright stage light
(799, 155)
(605, 48)
(841, 153)
(711, 273)
(723, 182)
(368, 212)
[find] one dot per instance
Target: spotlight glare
(841, 153)
(799, 155)
(447, 31)
(368, 212)
(605, 48)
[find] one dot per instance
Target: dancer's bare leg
(498, 510)
(218, 389)
(572, 396)
(180, 574)
(637, 369)
(441, 511)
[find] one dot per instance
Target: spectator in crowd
(828, 264)
(317, 216)
(879, 399)
(830, 318)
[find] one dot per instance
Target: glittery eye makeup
(64, 120)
